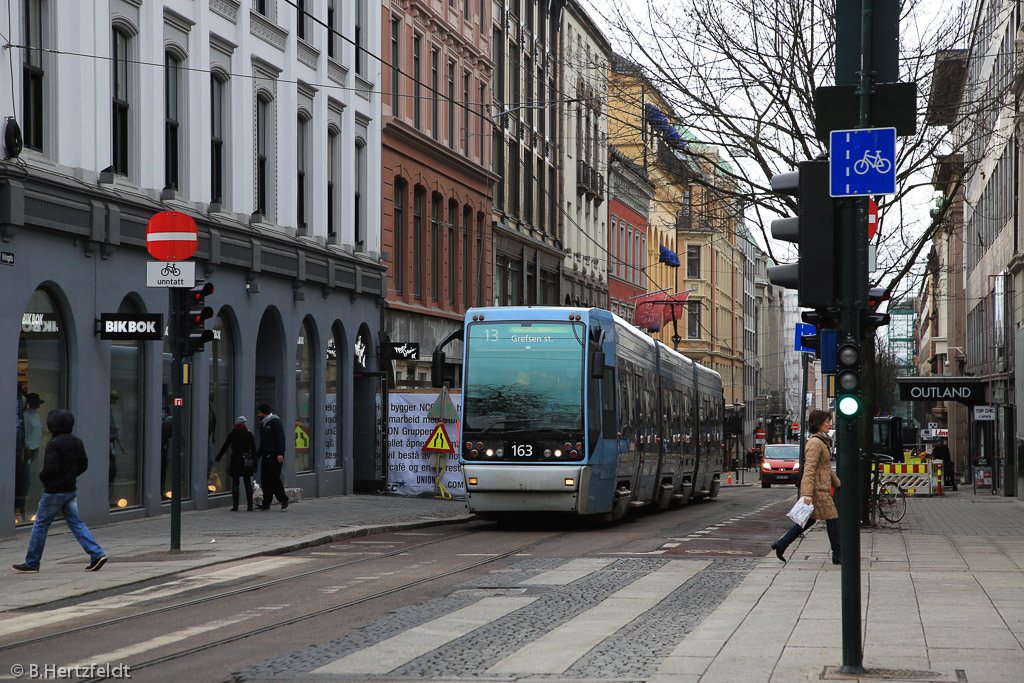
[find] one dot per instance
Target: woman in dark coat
(816, 485)
(242, 443)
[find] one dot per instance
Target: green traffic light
(849, 405)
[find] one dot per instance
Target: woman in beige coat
(816, 485)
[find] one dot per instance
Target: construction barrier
(916, 479)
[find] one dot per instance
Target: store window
(303, 399)
(222, 402)
(332, 403)
(127, 408)
(42, 387)
(167, 428)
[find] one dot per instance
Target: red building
(629, 198)
(436, 197)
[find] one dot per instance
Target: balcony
(582, 176)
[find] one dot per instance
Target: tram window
(608, 404)
(593, 412)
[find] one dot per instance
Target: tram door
(369, 422)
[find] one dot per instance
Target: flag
(654, 310)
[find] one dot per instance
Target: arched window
(42, 387)
(332, 409)
(127, 408)
(222, 401)
(303, 399)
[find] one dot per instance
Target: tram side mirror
(437, 369)
(597, 365)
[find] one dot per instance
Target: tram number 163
(522, 450)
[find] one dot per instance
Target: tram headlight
(489, 452)
(558, 452)
(547, 452)
(501, 452)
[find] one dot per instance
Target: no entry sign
(171, 236)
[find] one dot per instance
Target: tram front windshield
(524, 376)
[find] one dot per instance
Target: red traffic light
(197, 293)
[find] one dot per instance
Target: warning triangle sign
(438, 441)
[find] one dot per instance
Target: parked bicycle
(887, 497)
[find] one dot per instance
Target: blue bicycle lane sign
(862, 162)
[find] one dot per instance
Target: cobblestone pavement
(709, 606)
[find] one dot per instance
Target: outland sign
(960, 389)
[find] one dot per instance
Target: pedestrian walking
(941, 452)
(63, 461)
(271, 456)
(242, 462)
(816, 486)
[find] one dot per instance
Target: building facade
(528, 242)
(216, 110)
(584, 58)
(983, 85)
(436, 183)
(630, 191)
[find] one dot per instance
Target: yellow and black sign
(438, 441)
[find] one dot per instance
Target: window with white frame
(172, 121)
(264, 152)
(33, 74)
(359, 192)
(218, 87)
(301, 157)
(122, 93)
(360, 37)
(332, 190)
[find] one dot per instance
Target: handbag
(248, 464)
(801, 511)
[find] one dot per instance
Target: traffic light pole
(853, 289)
(176, 309)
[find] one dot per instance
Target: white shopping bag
(801, 511)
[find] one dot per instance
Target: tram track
(228, 593)
(283, 623)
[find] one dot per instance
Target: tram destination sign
(142, 326)
(960, 389)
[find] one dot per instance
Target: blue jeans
(49, 505)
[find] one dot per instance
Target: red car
(781, 465)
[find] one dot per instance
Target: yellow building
(693, 214)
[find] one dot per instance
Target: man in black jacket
(271, 456)
(941, 452)
(63, 461)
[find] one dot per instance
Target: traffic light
(848, 377)
(813, 229)
(823, 321)
(197, 313)
(871, 319)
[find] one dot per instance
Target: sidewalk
(207, 537)
(942, 595)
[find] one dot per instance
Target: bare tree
(741, 75)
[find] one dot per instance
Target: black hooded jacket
(65, 457)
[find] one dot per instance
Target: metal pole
(853, 298)
(177, 414)
(803, 409)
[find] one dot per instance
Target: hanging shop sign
(960, 389)
(145, 326)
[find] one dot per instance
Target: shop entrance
(369, 421)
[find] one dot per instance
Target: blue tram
(573, 410)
